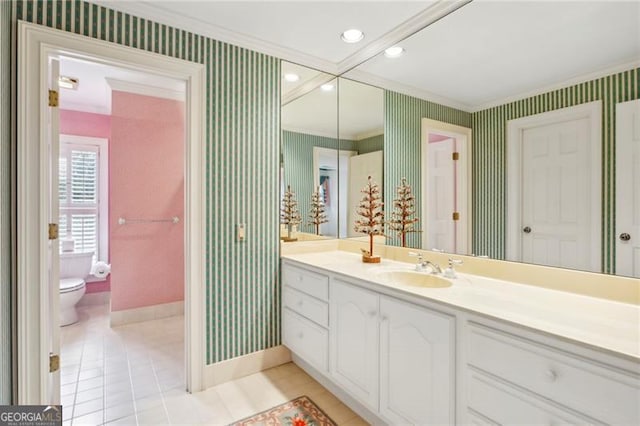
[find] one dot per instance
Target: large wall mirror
(309, 154)
(516, 124)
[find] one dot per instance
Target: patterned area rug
(297, 412)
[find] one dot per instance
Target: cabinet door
(354, 341)
(417, 361)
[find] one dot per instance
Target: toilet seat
(71, 284)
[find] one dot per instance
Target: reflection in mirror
(309, 164)
(550, 108)
(361, 146)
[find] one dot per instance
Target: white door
(417, 361)
(354, 341)
(441, 196)
(628, 189)
(52, 290)
(361, 167)
(556, 195)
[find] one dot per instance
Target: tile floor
(134, 375)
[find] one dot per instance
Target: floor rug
(297, 412)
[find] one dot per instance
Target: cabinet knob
(552, 376)
(384, 318)
(373, 313)
(300, 302)
(625, 237)
(300, 335)
(526, 229)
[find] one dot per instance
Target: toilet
(74, 269)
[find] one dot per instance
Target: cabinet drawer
(306, 306)
(317, 285)
(490, 402)
(306, 339)
(605, 394)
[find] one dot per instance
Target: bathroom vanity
(478, 351)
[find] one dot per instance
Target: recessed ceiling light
(394, 52)
(352, 36)
(291, 77)
(327, 87)
(66, 82)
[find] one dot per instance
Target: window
(83, 194)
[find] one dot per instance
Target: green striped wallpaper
(371, 144)
(402, 133)
(489, 157)
(242, 136)
(5, 203)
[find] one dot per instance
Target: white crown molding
(91, 109)
(374, 80)
(567, 83)
(294, 129)
(406, 29)
(155, 12)
(369, 134)
(145, 89)
(307, 87)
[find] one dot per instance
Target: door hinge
(54, 363)
(456, 215)
(53, 98)
(455, 156)
(53, 231)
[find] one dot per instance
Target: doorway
(446, 180)
(553, 188)
(38, 377)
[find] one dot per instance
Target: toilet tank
(75, 265)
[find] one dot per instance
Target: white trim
(304, 131)
(145, 89)
(591, 111)
(583, 78)
(463, 135)
(146, 313)
(405, 89)
(305, 88)
(245, 365)
(35, 44)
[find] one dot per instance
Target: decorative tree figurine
(289, 213)
(371, 222)
(317, 213)
(402, 221)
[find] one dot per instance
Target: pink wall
(146, 180)
(96, 126)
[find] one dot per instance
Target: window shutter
(62, 180)
(84, 177)
(84, 230)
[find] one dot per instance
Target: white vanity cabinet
(513, 376)
(406, 349)
(417, 364)
(305, 315)
(354, 341)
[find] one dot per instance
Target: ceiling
(94, 93)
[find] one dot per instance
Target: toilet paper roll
(101, 270)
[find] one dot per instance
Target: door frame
(515, 128)
(35, 45)
(463, 135)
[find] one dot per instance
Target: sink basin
(416, 279)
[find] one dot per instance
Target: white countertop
(600, 323)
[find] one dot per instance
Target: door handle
(526, 229)
(625, 237)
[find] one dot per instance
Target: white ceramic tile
(88, 407)
(92, 419)
(119, 411)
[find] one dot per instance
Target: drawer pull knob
(373, 313)
(300, 302)
(384, 318)
(300, 335)
(552, 376)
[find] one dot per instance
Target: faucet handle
(416, 254)
(453, 261)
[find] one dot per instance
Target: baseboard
(92, 299)
(146, 313)
(231, 369)
(343, 396)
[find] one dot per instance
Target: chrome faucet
(423, 263)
